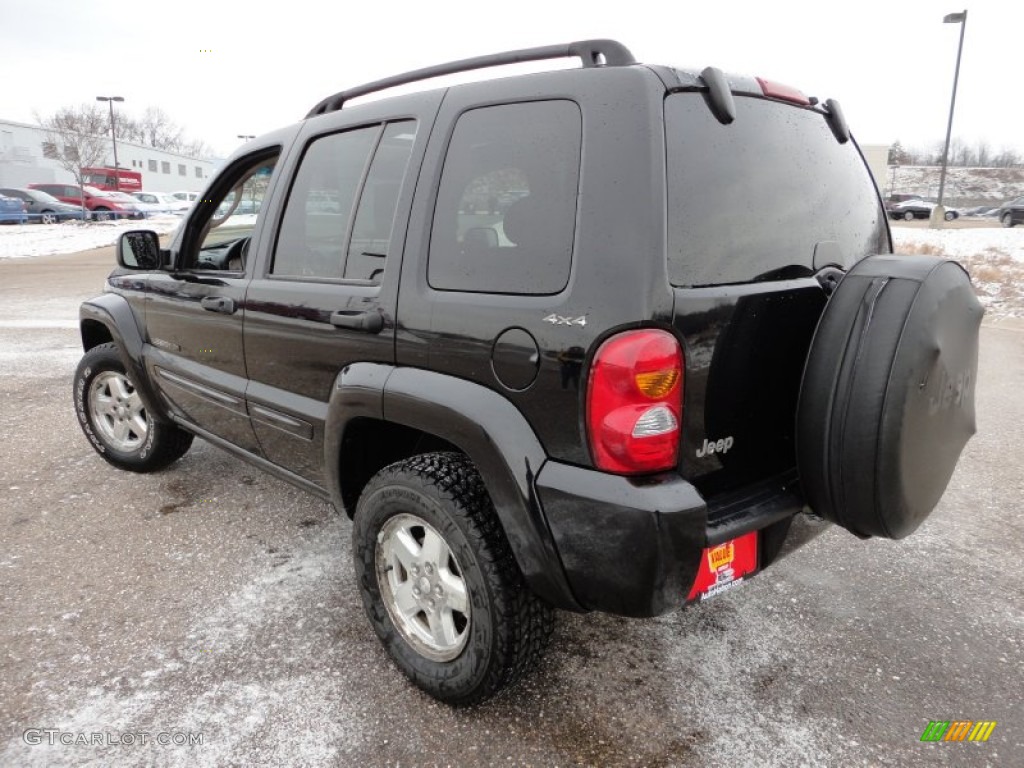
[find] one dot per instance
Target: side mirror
(139, 249)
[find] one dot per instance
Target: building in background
(877, 158)
(24, 161)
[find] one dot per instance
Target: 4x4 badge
(562, 320)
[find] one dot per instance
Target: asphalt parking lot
(211, 599)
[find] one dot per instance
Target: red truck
(112, 179)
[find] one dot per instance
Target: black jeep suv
(590, 339)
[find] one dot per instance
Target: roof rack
(593, 53)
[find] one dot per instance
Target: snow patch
(18, 242)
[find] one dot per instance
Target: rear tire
(950, 215)
(908, 216)
(440, 584)
(114, 418)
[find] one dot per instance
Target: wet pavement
(210, 602)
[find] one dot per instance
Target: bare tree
(983, 154)
(898, 155)
(196, 148)
(159, 130)
(962, 154)
(155, 128)
(76, 138)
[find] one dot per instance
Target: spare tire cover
(887, 398)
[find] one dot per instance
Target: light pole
(892, 184)
(113, 136)
(939, 213)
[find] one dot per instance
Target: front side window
(230, 219)
(506, 209)
(338, 218)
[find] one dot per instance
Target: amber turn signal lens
(657, 384)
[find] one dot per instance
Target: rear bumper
(632, 546)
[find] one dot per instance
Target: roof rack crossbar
(593, 53)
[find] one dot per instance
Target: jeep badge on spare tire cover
(887, 397)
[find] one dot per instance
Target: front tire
(49, 217)
(439, 582)
(908, 216)
(1007, 219)
(114, 418)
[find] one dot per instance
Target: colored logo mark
(721, 556)
(958, 730)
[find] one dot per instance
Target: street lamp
(113, 136)
(938, 214)
(246, 136)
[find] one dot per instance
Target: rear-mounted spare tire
(887, 398)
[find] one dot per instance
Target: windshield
(753, 199)
(41, 197)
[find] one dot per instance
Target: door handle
(370, 321)
(221, 304)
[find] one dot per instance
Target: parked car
(161, 202)
(250, 207)
(43, 207)
(1012, 213)
(12, 210)
(892, 200)
(188, 197)
(605, 397)
(919, 209)
(102, 205)
(126, 202)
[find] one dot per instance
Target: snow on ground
(964, 243)
(26, 240)
(994, 257)
(964, 186)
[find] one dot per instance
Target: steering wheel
(234, 258)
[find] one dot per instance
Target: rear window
(752, 200)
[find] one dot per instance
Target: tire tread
(524, 623)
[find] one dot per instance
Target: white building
(22, 162)
(877, 157)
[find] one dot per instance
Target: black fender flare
(485, 426)
(114, 313)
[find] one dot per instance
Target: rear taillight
(635, 402)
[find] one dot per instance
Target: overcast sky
(220, 67)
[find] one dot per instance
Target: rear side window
(506, 209)
(341, 209)
(753, 199)
(375, 217)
